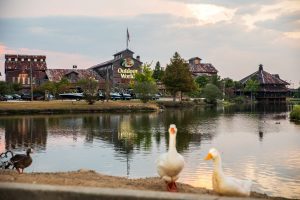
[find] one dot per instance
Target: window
(22, 59)
(35, 60)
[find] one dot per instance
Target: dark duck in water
(21, 161)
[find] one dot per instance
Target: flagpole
(127, 38)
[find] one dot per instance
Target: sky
(234, 35)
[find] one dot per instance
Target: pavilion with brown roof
(271, 87)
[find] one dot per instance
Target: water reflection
(252, 143)
(24, 132)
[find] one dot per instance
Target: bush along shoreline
(295, 113)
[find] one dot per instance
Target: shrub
(295, 114)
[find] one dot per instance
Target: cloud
(293, 35)
(210, 14)
(270, 12)
(220, 36)
(285, 23)
(92, 8)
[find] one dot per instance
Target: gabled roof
(203, 68)
(103, 64)
(194, 58)
(57, 74)
(264, 77)
(126, 50)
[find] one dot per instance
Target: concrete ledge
(11, 191)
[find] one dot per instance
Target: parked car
(16, 96)
(36, 96)
(77, 96)
(125, 96)
(9, 97)
(101, 96)
(156, 96)
(3, 98)
(115, 96)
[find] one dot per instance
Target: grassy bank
(175, 104)
(58, 106)
(295, 114)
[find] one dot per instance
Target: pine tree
(157, 72)
(177, 77)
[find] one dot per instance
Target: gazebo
(271, 87)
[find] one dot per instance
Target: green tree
(3, 88)
(227, 88)
(216, 80)
(251, 86)
(157, 72)
(9, 88)
(90, 89)
(50, 87)
(63, 85)
(211, 92)
(202, 80)
(16, 87)
(144, 84)
(177, 77)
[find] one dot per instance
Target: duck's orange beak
(172, 130)
(208, 157)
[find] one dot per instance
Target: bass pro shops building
(119, 71)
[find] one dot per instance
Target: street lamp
(31, 89)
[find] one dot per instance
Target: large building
(119, 71)
(73, 75)
(25, 69)
(271, 87)
(199, 69)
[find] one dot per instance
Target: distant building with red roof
(199, 69)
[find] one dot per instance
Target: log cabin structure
(271, 87)
(26, 70)
(119, 71)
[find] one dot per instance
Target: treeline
(178, 80)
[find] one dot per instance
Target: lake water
(257, 143)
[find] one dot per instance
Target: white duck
(170, 164)
(223, 184)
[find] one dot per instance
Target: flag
(128, 38)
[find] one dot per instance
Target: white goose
(170, 164)
(223, 184)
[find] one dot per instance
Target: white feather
(226, 185)
(170, 164)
